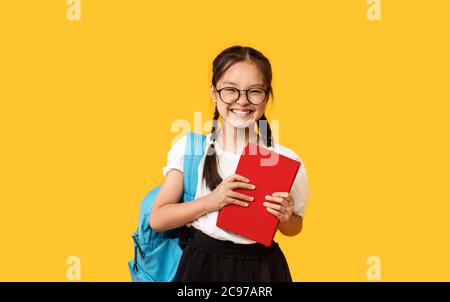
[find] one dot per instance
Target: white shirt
(227, 163)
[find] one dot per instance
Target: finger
(243, 185)
(236, 202)
(281, 194)
(275, 213)
(240, 196)
(237, 177)
(288, 199)
(276, 207)
(276, 199)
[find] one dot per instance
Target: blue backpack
(157, 254)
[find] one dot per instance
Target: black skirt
(206, 259)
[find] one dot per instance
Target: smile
(241, 112)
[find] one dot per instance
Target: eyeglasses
(230, 95)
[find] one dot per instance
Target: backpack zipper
(138, 247)
(135, 266)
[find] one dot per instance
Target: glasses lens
(229, 95)
(256, 96)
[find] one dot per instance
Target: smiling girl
(240, 89)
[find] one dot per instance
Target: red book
(270, 172)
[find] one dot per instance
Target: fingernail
(268, 197)
(265, 204)
(252, 198)
(253, 186)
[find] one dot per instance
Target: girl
(240, 89)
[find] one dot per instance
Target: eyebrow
(232, 83)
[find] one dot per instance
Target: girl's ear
(213, 92)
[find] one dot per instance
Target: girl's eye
(256, 91)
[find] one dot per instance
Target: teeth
(240, 112)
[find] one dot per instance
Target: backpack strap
(195, 149)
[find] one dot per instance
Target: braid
(214, 126)
(210, 172)
(266, 132)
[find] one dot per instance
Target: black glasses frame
(239, 94)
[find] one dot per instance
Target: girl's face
(242, 113)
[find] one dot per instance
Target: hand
(223, 194)
(283, 206)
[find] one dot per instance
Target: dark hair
(221, 63)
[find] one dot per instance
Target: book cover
(270, 172)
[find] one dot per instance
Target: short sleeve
(300, 190)
(175, 156)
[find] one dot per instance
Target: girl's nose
(243, 97)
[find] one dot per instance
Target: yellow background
(86, 109)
